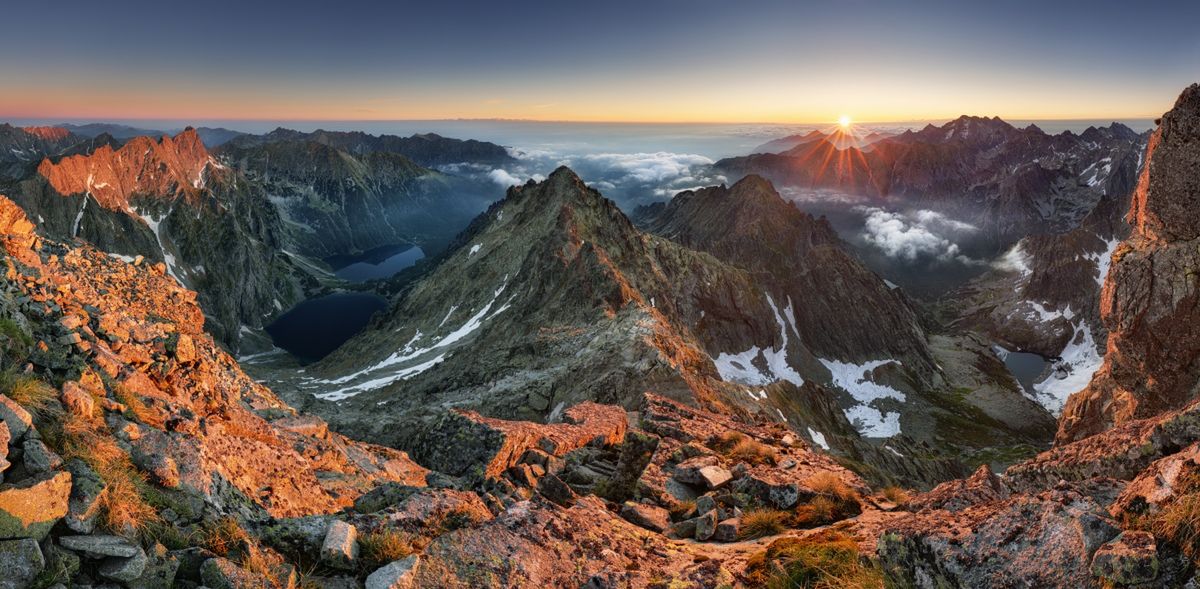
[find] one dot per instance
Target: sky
(651, 60)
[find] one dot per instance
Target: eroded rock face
(1043, 540)
(1149, 302)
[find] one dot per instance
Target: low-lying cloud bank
(915, 236)
(631, 179)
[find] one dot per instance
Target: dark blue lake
(381, 262)
(316, 327)
(1026, 367)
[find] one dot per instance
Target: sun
(844, 121)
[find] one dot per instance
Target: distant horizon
(184, 122)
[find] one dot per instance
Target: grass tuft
(31, 393)
(831, 485)
(822, 561)
(896, 495)
(384, 546)
(757, 523)
(742, 448)
(124, 509)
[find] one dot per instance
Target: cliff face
(22, 147)
(1104, 506)
(1149, 302)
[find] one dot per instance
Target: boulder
(101, 546)
(340, 549)
(77, 400)
(160, 572)
(655, 519)
(400, 574)
(87, 489)
(771, 487)
(16, 417)
(637, 449)
(185, 349)
(703, 472)
(161, 466)
(124, 569)
(705, 504)
(190, 562)
(1129, 559)
(21, 561)
(706, 525)
(29, 509)
(684, 529)
(727, 531)
(554, 489)
(38, 458)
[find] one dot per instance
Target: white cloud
(650, 168)
(914, 236)
(503, 178)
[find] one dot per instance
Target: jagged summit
(170, 166)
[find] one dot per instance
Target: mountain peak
(168, 166)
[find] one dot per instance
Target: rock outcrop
(1149, 299)
(1109, 505)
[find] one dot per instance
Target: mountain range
(713, 391)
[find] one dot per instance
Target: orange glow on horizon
(63, 99)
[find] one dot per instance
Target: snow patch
(474, 249)
(818, 438)
(409, 352)
(740, 368)
(1072, 372)
(854, 379)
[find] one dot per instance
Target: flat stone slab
(100, 545)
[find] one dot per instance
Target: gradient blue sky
(667, 60)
